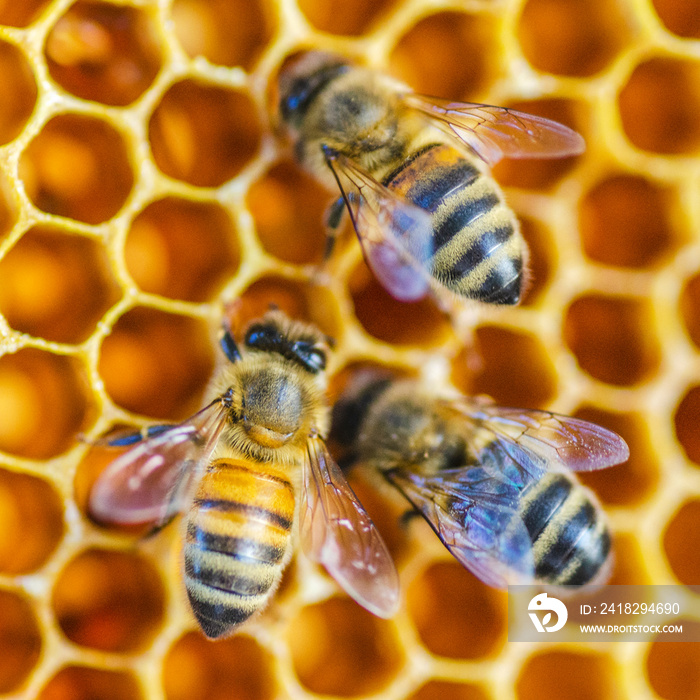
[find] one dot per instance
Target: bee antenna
(228, 344)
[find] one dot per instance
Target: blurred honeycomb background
(141, 186)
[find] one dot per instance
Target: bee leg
(136, 436)
(334, 218)
(229, 345)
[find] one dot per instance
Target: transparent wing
(474, 513)
(337, 533)
(151, 481)
(494, 133)
(396, 236)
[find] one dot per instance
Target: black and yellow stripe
(238, 533)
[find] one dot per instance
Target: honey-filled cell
(21, 14)
(55, 285)
(540, 259)
(430, 56)
(673, 668)
(446, 690)
(338, 648)
(109, 600)
(686, 424)
(18, 81)
(628, 565)
(31, 522)
(103, 52)
(690, 308)
(349, 18)
(225, 32)
(156, 363)
(44, 402)
(203, 134)
(682, 17)
(78, 167)
(681, 542)
(20, 641)
(196, 669)
(8, 207)
(182, 249)
(87, 683)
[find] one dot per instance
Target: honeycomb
(141, 186)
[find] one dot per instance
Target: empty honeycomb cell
(542, 173)
(156, 363)
(444, 690)
(682, 17)
(660, 106)
(636, 479)
(338, 648)
(539, 261)
(18, 81)
(511, 367)
(455, 614)
(690, 308)
(448, 54)
(182, 249)
(77, 167)
(21, 14)
(673, 668)
(196, 669)
(109, 600)
(288, 207)
(686, 423)
(44, 403)
(613, 338)
(203, 134)
(385, 318)
(681, 542)
(20, 641)
(626, 220)
(103, 52)
(573, 37)
(55, 285)
(567, 675)
(85, 683)
(225, 33)
(350, 18)
(31, 522)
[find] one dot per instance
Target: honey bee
(495, 484)
(413, 175)
(235, 468)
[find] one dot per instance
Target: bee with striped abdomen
(411, 171)
(235, 469)
(495, 484)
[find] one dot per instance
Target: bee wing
(396, 236)
(474, 513)
(494, 133)
(151, 481)
(337, 532)
(539, 440)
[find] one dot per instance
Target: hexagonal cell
(673, 668)
(77, 167)
(85, 683)
(686, 424)
(444, 690)
(338, 648)
(512, 367)
(226, 33)
(17, 80)
(182, 249)
(636, 479)
(540, 259)
(203, 134)
(682, 17)
(31, 522)
(660, 106)
(690, 308)
(109, 600)
(8, 207)
(542, 173)
(626, 220)
(455, 614)
(426, 56)
(350, 18)
(567, 675)
(396, 322)
(196, 669)
(156, 363)
(629, 568)
(56, 285)
(613, 338)
(573, 37)
(44, 402)
(288, 207)
(682, 543)
(21, 14)
(103, 52)
(20, 641)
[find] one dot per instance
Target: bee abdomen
(571, 542)
(236, 542)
